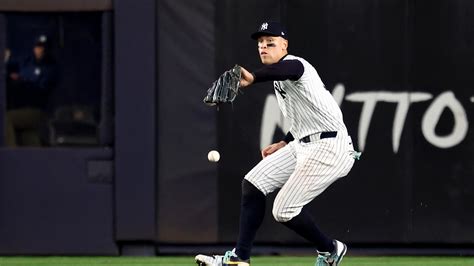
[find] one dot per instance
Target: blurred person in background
(29, 83)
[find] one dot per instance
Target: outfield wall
(401, 71)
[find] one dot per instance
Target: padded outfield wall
(402, 73)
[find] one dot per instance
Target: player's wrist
(253, 77)
(282, 143)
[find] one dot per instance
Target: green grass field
(256, 261)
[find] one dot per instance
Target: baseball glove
(225, 88)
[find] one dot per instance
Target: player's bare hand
(246, 78)
(272, 148)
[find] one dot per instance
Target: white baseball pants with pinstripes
(302, 171)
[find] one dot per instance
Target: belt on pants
(317, 136)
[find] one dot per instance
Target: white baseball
(213, 156)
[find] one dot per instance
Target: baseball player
(316, 152)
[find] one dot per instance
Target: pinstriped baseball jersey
(302, 170)
(307, 104)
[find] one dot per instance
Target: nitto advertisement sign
(445, 101)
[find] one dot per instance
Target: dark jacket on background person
(37, 79)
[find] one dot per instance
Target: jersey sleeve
(283, 70)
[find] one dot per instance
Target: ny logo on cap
(264, 26)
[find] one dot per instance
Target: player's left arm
(246, 78)
(283, 70)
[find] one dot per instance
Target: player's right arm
(276, 146)
(272, 148)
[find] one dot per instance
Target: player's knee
(283, 214)
(250, 193)
(248, 187)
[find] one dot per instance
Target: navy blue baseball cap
(270, 28)
(41, 40)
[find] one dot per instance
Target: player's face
(271, 49)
